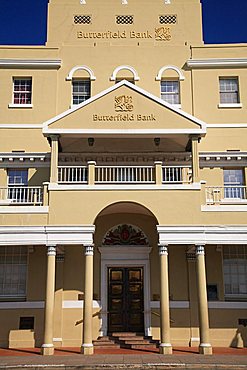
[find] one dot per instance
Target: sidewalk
(70, 358)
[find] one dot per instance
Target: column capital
(54, 137)
(200, 249)
(51, 250)
(89, 250)
(163, 249)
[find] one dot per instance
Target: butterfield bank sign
(159, 34)
(123, 106)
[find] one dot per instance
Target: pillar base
(87, 349)
(205, 349)
(47, 350)
(165, 349)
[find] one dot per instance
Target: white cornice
(46, 235)
(31, 63)
(21, 125)
(221, 234)
(217, 62)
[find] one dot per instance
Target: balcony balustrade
(73, 174)
(24, 195)
(124, 174)
(225, 194)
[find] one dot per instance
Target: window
(170, 91)
(234, 184)
(229, 91)
(22, 91)
(235, 270)
(81, 90)
(17, 185)
(13, 272)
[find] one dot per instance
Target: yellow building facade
(123, 163)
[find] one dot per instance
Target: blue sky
(23, 22)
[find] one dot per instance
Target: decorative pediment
(125, 235)
(124, 109)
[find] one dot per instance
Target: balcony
(21, 195)
(225, 195)
(124, 175)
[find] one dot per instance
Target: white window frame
(234, 189)
(78, 94)
(18, 257)
(21, 105)
(18, 189)
(229, 104)
(171, 93)
(235, 264)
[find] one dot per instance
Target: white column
(87, 346)
(165, 345)
(205, 346)
(48, 348)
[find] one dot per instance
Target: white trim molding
(227, 305)
(23, 209)
(79, 304)
(21, 125)
(128, 68)
(12, 105)
(31, 63)
(217, 62)
(46, 235)
(202, 235)
(80, 68)
(226, 125)
(224, 208)
(172, 304)
(230, 105)
(165, 68)
(22, 305)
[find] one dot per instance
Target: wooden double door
(125, 299)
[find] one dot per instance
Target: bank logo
(162, 34)
(123, 103)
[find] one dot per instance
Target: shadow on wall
(240, 338)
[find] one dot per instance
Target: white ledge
(133, 187)
(230, 105)
(217, 62)
(11, 105)
(224, 208)
(23, 209)
(31, 63)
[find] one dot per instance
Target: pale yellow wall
(29, 140)
(214, 270)
(36, 274)
(178, 278)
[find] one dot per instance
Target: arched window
(81, 77)
(170, 84)
(127, 73)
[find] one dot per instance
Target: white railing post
(91, 172)
(158, 173)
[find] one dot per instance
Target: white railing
(124, 174)
(22, 195)
(176, 174)
(224, 194)
(72, 174)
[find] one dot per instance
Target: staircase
(126, 340)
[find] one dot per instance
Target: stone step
(124, 334)
(108, 345)
(137, 342)
(137, 338)
(139, 346)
